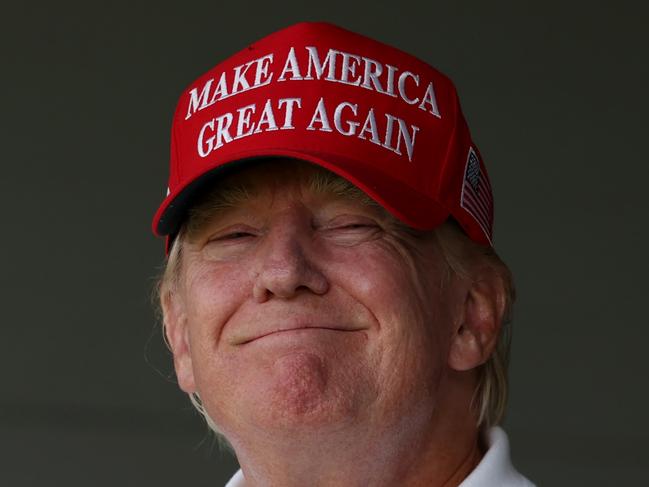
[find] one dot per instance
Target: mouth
(295, 330)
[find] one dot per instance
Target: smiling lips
(246, 340)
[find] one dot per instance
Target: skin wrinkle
(404, 243)
(226, 195)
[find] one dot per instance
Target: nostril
(286, 284)
(260, 294)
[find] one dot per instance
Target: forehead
(265, 180)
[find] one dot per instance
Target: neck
(439, 455)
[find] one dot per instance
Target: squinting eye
(231, 237)
(354, 231)
(230, 243)
(235, 236)
(356, 226)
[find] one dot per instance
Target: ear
(175, 327)
(476, 333)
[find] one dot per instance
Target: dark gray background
(556, 96)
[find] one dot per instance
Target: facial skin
(314, 327)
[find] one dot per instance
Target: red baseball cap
(377, 116)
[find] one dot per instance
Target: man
(332, 299)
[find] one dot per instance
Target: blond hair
(462, 255)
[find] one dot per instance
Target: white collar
(494, 470)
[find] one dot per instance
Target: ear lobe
(477, 334)
(176, 333)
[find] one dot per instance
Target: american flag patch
(476, 194)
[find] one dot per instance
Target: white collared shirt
(494, 470)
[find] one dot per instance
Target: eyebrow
(216, 200)
(325, 182)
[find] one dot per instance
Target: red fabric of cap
(386, 121)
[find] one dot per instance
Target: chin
(300, 393)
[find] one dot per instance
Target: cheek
(382, 280)
(214, 293)
(370, 270)
(408, 304)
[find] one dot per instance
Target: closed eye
(352, 232)
(354, 226)
(228, 245)
(231, 237)
(235, 236)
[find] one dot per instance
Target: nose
(284, 268)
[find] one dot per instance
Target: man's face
(302, 308)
